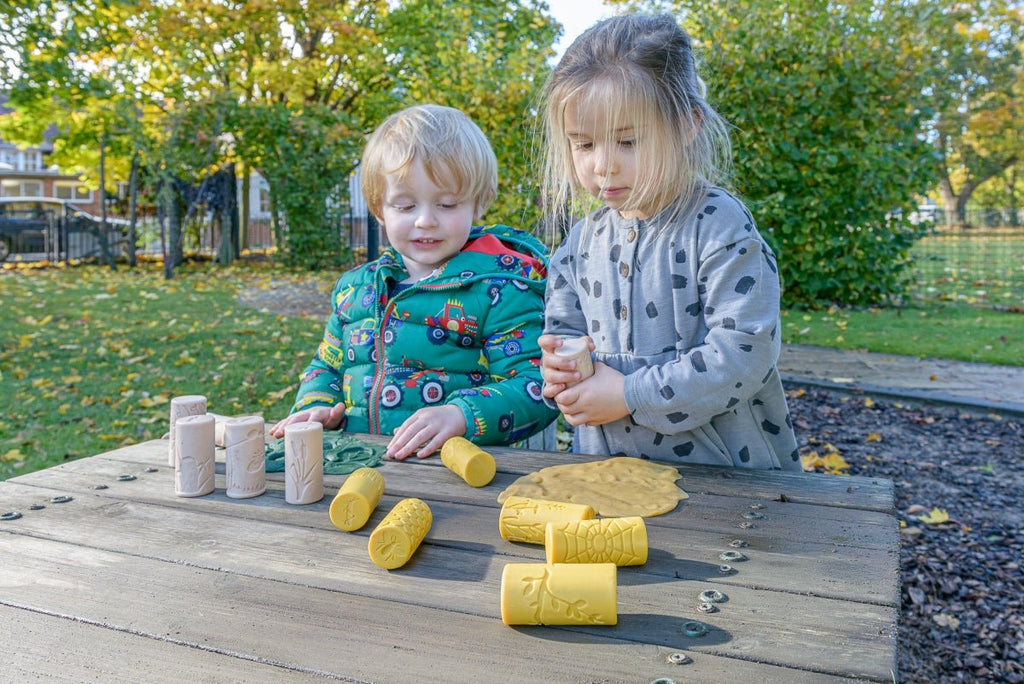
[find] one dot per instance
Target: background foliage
(827, 110)
(290, 88)
(845, 111)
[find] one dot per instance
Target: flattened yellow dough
(615, 487)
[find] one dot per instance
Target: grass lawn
(939, 329)
(90, 358)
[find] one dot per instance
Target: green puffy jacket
(466, 335)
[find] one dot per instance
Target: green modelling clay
(343, 454)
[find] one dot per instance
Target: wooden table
(131, 583)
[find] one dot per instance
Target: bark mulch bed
(961, 618)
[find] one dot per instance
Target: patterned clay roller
(559, 594)
(468, 461)
(195, 454)
(622, 541)
(523, 519)
(399, 534)
(357, 499)
(187, 405)
(244, 456)
(577, 348)
(303, 463)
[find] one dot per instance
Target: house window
(264, 200)
(75, 192)
(10, 187)
(34, 160)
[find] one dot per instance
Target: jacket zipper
(373, 415)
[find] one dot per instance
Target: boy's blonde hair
(454, 151)
(641, 70)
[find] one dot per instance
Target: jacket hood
(493, 251)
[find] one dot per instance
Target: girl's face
(604, 157)
(426, 223)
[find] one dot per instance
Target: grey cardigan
(686, 306)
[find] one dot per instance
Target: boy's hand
(597, 400)
(425, 431)
(559, 372)
(330, 416)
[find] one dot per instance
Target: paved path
(978, 385)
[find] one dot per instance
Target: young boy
(438, 337)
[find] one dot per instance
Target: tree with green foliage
(488, 59)
(976, 60)
(294, 85)
(827, 109)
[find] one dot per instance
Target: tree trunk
(174, 236)
(226, 216)
(108, 255)
(275, 221)
(243, 237)
(133, 204)
(954, 204)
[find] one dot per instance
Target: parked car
(53, 228)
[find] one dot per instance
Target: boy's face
(427, 224)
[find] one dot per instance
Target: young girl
(670, 280)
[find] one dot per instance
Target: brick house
(26, 173)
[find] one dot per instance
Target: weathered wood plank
(857, 637)
(63, 648)
(798, 548)
(220, 617)
(415, 477)
(857, 492)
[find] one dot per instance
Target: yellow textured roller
(468, 461)
(399, 534)
(357, 499)
(523, 519)
(622, 541)
(559, 594)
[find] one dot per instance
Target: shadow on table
(662, 566)
(670, 631)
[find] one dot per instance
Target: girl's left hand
(597, 400)
(559, 372)
(425, 431)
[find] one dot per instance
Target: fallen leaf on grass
(280, 394)
(13, 455)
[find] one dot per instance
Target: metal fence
(201, 235)
(980, 266)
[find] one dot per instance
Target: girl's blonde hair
(454, 151)
(638, 70)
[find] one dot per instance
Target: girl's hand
(330, 416)
(559, 372)
(425, 431)
(597, 400)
